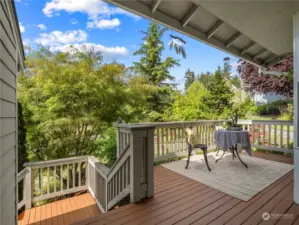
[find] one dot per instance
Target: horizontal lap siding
(8, 122)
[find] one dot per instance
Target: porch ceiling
(258, 31)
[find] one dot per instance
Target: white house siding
(9, 58)
(265, 98)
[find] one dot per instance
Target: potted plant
(232, 124)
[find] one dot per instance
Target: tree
(191, 105)
(22, 153)
(220, 98)
(281, 84)
(155, 70)
(70, 99)
(206, 79)
(151, 65)
(236, 81)
(190, 78)
(227, 68)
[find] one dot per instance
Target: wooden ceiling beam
(155, 5)
(233, 39)
(189, 15)
(247, 47)
(215, 28)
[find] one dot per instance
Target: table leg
(233, 154)
(218, 149)
(220, 157)
(236, 150)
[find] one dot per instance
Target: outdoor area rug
(231, 176)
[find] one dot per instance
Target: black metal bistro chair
(193, 143)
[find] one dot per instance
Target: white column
(296, 107)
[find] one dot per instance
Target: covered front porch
(180, 200)
(160, 195)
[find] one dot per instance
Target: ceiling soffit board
(268, 23)
(175, 20)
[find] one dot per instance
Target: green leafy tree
(191, 105)
(190, 78)
(106, 147)
(220, 98)
(70, 99)
(236, 81)
(22, 153)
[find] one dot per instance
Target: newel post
(28, 186)
(141, 159)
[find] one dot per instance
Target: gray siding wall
(8, 122)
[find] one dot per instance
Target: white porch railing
(138, 146)
(53, 178)
(132, 173)
(170, 139)
(275, 135)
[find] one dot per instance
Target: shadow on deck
(62, 212)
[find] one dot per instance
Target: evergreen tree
(22, 153)
(155, 70)
(151, 65)
(190, 78)
(206, 79)
(227, 68)
(220, 98)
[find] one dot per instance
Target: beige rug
(230, 176)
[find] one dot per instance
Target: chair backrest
(190, 137)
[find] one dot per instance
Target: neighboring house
(11, 62)
(266, 98)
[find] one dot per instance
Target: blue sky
(105, 28)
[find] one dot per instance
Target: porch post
(296, 107)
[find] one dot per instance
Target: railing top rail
(101, 168)
(187, 123)
(56, 162)
(283, 122)
(134, 126)
(22, 174)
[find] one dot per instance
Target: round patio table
(229, 140)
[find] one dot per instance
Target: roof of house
(257, 31)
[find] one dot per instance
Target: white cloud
(107, 52)
(104, 23)
(74, 21)
(22, 28)
(97, 10)
(42, 26)
(90, 7)
(57, 38)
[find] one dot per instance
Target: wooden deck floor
(179, 200)
(62, 212)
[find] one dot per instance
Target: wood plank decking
(62, 212)
(179, 200)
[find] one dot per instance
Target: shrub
(278, 108)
